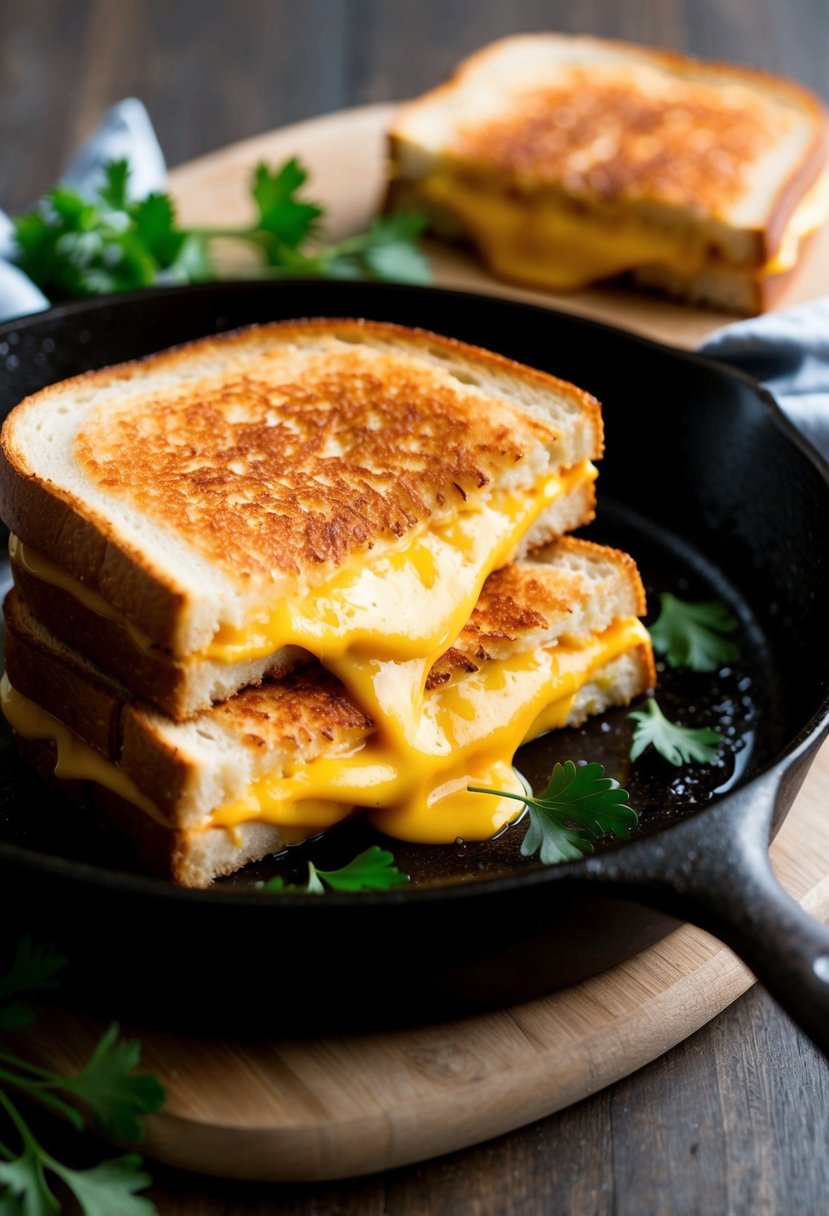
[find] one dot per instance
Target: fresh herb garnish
(578, 807)
(677, 744)
(691, 634)
(73, 246)
(108, 1088)
(373, 870)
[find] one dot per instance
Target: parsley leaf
(24, 1178)
(115, 1093)
(109, 1086)
(372, 870)
(284, 220)
(388, 251)
(677, 744)
(578, 807)
(691, 634)
(73, 246)
(114, 190)
(109, 1189)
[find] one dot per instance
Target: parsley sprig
(372, 870)
(693, 634)
(108, 1090)
(76, 246)
(676, 744)
(578, 807)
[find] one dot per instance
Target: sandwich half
(551, 640)
(329, 489)
(570, 160)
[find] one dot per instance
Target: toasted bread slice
(567, 593)
(183, 687)
(196, 857)
(193, 490)
(180, 774)
(568, 160)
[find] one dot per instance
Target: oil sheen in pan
(729, 700)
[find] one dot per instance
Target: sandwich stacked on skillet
(570, 160)
(266, 578)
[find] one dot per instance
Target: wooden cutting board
(338, 1106)
(305, 1110)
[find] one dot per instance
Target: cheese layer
(412, 602)
(380, 627)
(539, 241)
(468, 733)
(76, 760)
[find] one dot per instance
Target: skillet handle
(716, 873)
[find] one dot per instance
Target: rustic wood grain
(734, 1120)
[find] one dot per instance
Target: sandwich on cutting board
(319, 517)
(570, 160)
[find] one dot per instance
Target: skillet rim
(808, 737)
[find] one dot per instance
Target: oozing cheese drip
(809, 215)
(76, 760)
(380, 628)
(535, 240)
(415, 789)
(411, 602)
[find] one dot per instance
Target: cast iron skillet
(714, 494)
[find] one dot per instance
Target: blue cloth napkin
(125, 133)
(789, 353)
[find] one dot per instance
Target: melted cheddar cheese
(379, 628)
(415, 786)
(409, 603)
(75, 760)
(534, 240)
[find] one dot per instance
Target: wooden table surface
(735, 1120)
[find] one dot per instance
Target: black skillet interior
(702, 483)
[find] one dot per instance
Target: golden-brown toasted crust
(513, 601)
(645, 653)
(192, 858)
(305, 713)
(306, 709)
(453, 662)
(621, 560)
(152, 675)
(270, 526)
(699, 160)
(302, 715)
(181, 688)
(352, 458)
(690, 152)
(52, 521)
(61, 682)
(166, 852)
(521, 598)
(745, 293)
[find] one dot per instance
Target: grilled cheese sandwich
(332, 488)
(322, 519)
(568, 161)
(480, 707)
